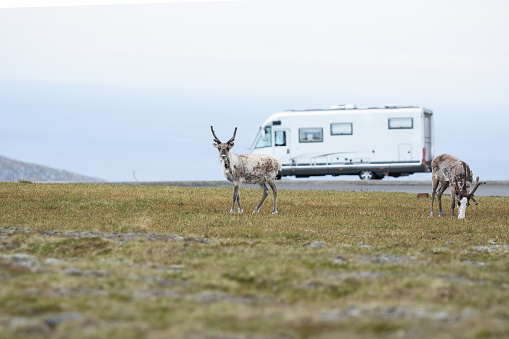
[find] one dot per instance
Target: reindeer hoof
(431, 214)
(274, 212)
(256, 212)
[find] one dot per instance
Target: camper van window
(280, 138)
(401, 123)
(264, 138)
(310, 134)
(341, 128)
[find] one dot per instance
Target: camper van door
(282, 145)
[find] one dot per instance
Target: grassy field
(90, 261)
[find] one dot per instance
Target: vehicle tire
(366, 175)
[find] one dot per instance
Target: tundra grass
(159, 262)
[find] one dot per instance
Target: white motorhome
(346, 140)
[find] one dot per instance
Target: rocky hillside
(13, 171)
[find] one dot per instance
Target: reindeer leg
(453, 202)
(475, 202)
(274, 192)
(443, 187)
(434, 191)
(238, 201)
(264, 195)
(234, 198)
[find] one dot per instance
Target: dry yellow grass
(107, 260)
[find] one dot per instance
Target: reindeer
(258, 169)
(451, 171)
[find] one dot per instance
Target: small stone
(440, 250)
(317, 244)
(486, 249)
(94, 273)
(353, 311)
(339, 261)
(469, 313)
(448, 243)
(440, 315)
(72, 271)
(473, 262)
(22, 260)
(54, 261)
(177, 268)
(58, 319)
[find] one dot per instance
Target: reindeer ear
(231, 143)
(215, 145)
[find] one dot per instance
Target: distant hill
(14, 171)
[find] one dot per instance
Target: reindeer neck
(226, 163)
(229, 160)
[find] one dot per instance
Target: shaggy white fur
(258, 169)
(449, 171)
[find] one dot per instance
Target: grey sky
(105, 90)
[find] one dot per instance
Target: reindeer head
(223, 148)
(463, 196)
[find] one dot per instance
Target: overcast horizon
(107, 90)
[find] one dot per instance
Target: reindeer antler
(232, 138)
(216, 139)
(477, 184)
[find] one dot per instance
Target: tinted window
(265, 138)
(280, 138)
(311, 134)
(401, 123)
(341, 128)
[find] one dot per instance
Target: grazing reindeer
(247, 168)
(451, 171)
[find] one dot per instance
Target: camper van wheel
(367, 175)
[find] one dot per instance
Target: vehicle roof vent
(347, 106)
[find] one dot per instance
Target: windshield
(264, 138)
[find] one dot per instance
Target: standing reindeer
(247, 168)
(451, 171)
